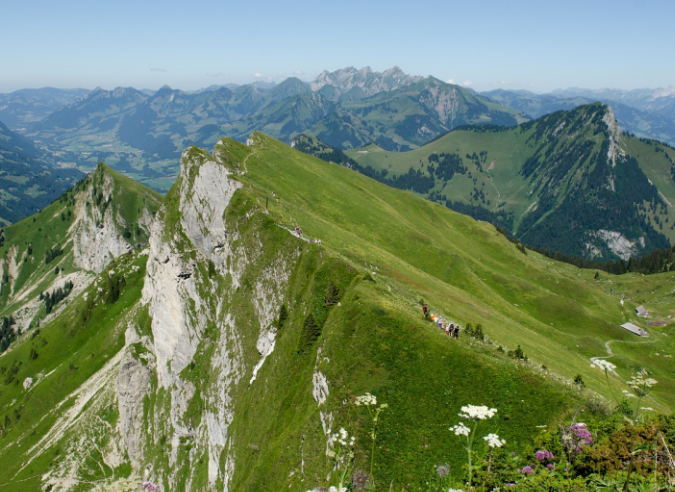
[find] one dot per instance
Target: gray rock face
(132, 386)
(347, 79)
(96, 236)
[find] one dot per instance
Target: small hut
(635, 329)
(641, 312)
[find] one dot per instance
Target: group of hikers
(298, 232)
(450, 329)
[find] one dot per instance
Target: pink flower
(543, 454)
(527, 470)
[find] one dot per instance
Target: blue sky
(534, 45)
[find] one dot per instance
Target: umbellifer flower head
(461, 429)
(603, 364)
(366, 400)
(493, 441)
(477, 412)
(639, 382)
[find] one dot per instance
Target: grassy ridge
(465, 269)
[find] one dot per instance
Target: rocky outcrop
(96, 235)
(615, 149)
(133, 383)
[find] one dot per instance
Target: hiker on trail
(442, 327)
(440, 323)
(448, 328)
(455, 332)
(424, 310)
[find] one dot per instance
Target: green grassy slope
(60, 356)
(399, 249)
(466, 269)
(547, 181)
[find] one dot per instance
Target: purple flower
(150, 487)
(581, 431)
(512, 453)
(510, 485)
(583, 436)
(543, 454)
(550, 466)
(527, 470)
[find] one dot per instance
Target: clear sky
(538, 45)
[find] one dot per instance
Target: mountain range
(22, 108)
(195, 341)
(141, 134)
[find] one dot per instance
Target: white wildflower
(493, 441)
(640, 382)
(460, 429)
(366, 400)
(341, 437)
(650, 409)
(455, 490)
(477, 412)
(603, 365)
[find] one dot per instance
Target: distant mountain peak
(362, 83)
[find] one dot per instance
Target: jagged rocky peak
(128, 93)
(346, 79)
(104, 228)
